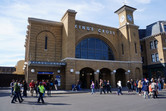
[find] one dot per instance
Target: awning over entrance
(43, 63)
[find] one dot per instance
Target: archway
(86, 77)
(120, 75)
(105, 74)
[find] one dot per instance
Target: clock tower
(129, 43)
(125, 14)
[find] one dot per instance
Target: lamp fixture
(71, 70)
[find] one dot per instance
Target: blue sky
(14, 15)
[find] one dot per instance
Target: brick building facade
(73, 50)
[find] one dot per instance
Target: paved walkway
(63, 101)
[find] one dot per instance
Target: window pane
(93, 48)
(157, 57)
(91, 43)
(98, 44)
(155, 43)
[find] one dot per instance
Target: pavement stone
(78, 101)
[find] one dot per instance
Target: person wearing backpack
(146, 88)
(154, 89)
(16, 93)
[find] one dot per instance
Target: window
(122, 49)
(155, 44)
(46, 42)
(135, 47)
(153, 58)
(151, 45)
(165, 28)
(157, 57)
(93, 48)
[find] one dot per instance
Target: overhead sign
(45, 72)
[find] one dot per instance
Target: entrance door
(120, 75)
(86, 77)
(44, 76)
(105, 74)
(41, 77)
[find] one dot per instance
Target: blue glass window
(93, 48)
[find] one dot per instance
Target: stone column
(113, 82)
(96, 77)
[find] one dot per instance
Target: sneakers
(12, 102)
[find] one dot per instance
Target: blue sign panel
(45, 72)
(58, 76)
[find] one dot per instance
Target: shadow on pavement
(46, 103)
(4, 93)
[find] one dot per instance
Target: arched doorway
(105, 74)
(86, 77)
(120, 75)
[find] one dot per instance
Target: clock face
(122, 18)
(129, 17)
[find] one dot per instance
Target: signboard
(45, 72)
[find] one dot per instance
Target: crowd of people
(19, 89)
(145, 87)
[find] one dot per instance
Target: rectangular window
(155, 44)
(153, 58)
(157, 57)
(46, 42)
(122, 49)
(151, 45)
(165, 28)
(135, 47)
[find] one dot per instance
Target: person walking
(108, 87)
(119, 87)
(92, 86)
(32, 86)
(56, 84)
(146, 89)
(41, 90)
(36, 87)
(12, 87)
(128, 86)
(154, 89)
(139, 87)
(24, 88)
(101, 86)
(48, 88)
(16, 93)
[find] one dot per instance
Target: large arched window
(93, 48)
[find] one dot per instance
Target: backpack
(153, 86)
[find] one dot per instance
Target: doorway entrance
(86, 77)
(105, 74)
(120, 75)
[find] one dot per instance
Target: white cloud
(14, 15)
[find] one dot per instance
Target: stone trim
(44, 21)
(110, 61)
(162, 33)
